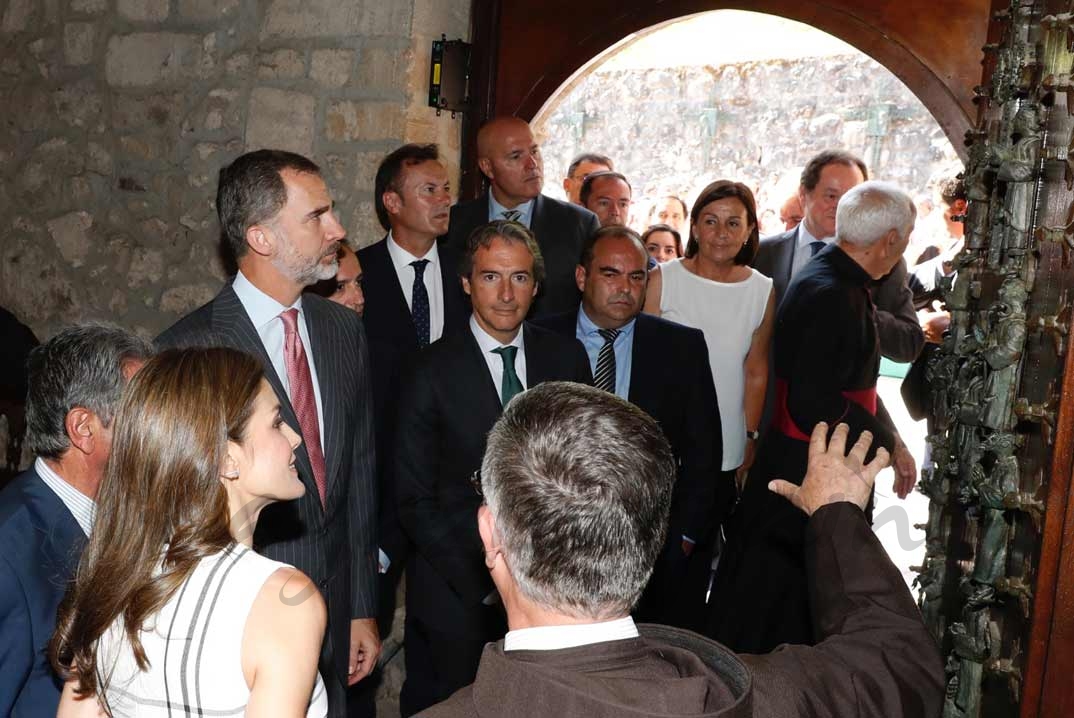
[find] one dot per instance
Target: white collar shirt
(553, 638)
(82, 507)
(264, 312)
(432, 278)
(494, 361)
(802, 251)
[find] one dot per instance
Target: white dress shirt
(264, 312)
(434, 283)
(494, 360)
(552, 638)
(802, 251)
(82, 507)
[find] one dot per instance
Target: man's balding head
(509, 156)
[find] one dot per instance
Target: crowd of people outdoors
(619, 470)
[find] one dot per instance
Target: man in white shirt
(46, 513)
(577, 484)
(413, 297)
(448, 402)
(277, 218)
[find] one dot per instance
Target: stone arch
(938, 61)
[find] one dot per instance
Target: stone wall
(676, 129)
(119, 114)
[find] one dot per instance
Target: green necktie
(510, 385)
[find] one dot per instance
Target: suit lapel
(641, 360)
(232, 324)
(539, 362)
(64, 539)
(483, 389)
(785, 261)
(329, 376)
(389, 291)
(538, 219)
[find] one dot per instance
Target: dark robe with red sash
(827, 359)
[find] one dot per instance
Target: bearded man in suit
(449, 401)
(510, 158)
(276, 216)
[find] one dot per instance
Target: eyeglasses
(475, 481)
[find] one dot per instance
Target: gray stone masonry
(120, 113)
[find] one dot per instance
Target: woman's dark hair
(654, 228)
(161, 503)
(723, 189)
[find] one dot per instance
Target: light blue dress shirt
(587, 333)
(496, 211)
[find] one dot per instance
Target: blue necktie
(815, 246)
(419, 305)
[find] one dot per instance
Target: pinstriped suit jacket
(335, 546)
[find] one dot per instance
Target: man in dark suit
(450, 400)
(825, 179)
(577, 484)
(276, 215)
(413, 297)
(46, 513)
(662, 367)
(511, 159)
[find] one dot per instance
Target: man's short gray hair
(579, 482)
(82, 366)
(870, 210)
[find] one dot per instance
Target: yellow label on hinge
(436, 74)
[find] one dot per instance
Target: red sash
(782, 422)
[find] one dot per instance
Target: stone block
(281, 120)
(222, 109)
(331, 68)
(387, 18)
(283, 64)
(78, 42)
(184, 298)
(89, 7)
(77, 104)
(207, 10)
(71, 233)
(347, 121)
(382, 70)
(147, 267)
(131, 112)
(237, 65)
(146, 59)
(34, 284)
(143, 10)
(17, 15)
(316, 18)
(365, 170)
(98, 160)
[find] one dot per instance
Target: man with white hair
(577, 483)
(827, 360)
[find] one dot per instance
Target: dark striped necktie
(511, 215)
(604, 376)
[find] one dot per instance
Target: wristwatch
(755, 434)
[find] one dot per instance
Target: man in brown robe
(577, 484)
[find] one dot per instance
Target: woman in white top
(172, 612)
(714, 289)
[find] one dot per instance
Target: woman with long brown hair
(171, 609)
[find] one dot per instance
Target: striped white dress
(194, 646)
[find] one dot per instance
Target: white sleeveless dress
(194, 646)
(728, 313)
